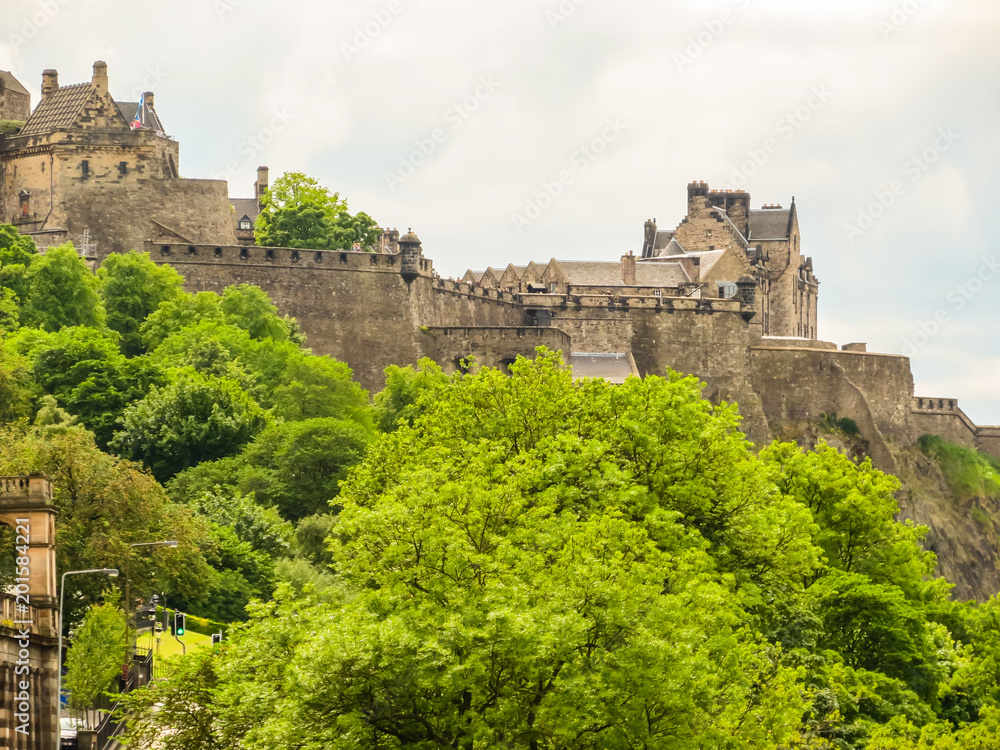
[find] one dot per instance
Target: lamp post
(62, 591)
(128, 604)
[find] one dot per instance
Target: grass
(169, 646)
(969, 472)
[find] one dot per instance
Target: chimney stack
(100, 81)
(261, 187)
(628, 270)
(50, 82)
(147, 99)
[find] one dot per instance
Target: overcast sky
(529, 129)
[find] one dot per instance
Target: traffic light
(179, 618)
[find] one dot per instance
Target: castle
(727, 295)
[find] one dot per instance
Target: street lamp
(62, 591)
(128, 604)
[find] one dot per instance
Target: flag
(137, 122)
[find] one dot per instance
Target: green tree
(17, 253)
(132, 287)
(94, 658)
(400, 400)
(16, 385)
(299, 212)
(84, 369)
(295, 467)
(192, 419)
(62, 292)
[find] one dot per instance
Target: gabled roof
(59, 109)
(770, 223)
(661, 274)
(708, 260)
(663, 238)
(245, 207)
(12, 84)
(149, 119)
(591, 273)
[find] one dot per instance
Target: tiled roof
(245, 207)
(660, 274)
(591, 273)
(12, 84)
(769, 224)
(663, 238)
(58, 110)
(150, 120)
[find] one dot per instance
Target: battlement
(286, 257)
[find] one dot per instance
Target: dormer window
(245, 223)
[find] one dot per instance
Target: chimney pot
(50, 82)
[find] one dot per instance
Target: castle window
(85, 169)
(122, 168)
(343, 257)
(245, 223)
(165, 250)
(244, 253)
(727, 290)
(269, 254)
(318, 257)
(218, 252)
(657, 292)
(708, 234)
(295, 254)
(192, 250)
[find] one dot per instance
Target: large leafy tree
(132, 287)
(94, 658)
(17, 253)
(192, 419)
(62, 292)
(299, 212)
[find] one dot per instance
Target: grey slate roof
(12, 84)
(769, 223)
(245, 207)
(591, 273)
(150, 119)
(663, 238)
(661, 274)
(58, 110)
(614, 368)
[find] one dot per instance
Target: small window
(218, 252)
(295, 254)
(657, 292)
(245, 223)
(552, 286)
(727, 289)
(165, 250)
(122, 168)
(192, 250)
(85, 169)
(269, 254)
(244, 253)
(343, 257)
(318, 257)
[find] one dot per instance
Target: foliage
(10, 127)
(299, 212)
(62, 292)
(132, 287)
(295, 467)
(88, 375)
(194, 418)
(399, 402)
(94, 658)
(16, 386)
(103, 505)
(845, 425)
(969, 472)
(17, 253)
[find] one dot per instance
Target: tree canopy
(299, 212)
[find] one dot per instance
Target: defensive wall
(362, 309)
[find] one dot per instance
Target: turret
(409, 252)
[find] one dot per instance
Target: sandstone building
(15, 101)
(727, 295)
(79, 168)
